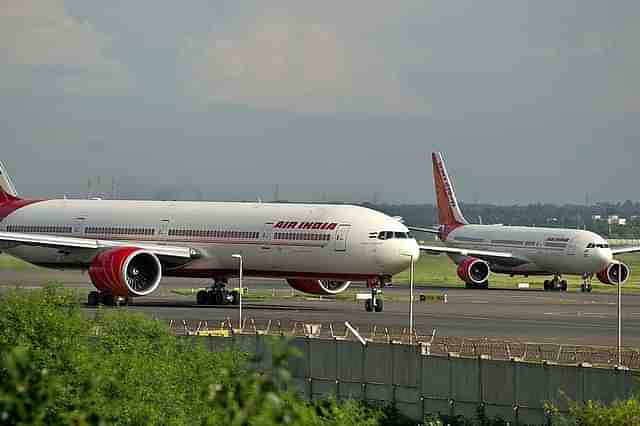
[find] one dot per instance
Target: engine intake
(126, 271)
(473, 270)
(609, 275)
(321, 287)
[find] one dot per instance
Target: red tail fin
(449, 213)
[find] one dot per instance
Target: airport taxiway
(526, 315)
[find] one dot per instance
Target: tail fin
(7, 190)
(449, 212)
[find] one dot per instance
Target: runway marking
(593, 314)
(479, 301)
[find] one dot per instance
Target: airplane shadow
(249, 307)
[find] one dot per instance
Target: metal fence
(419, 384)
(429, 343)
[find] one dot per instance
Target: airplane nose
(605, 256)
(409, 251)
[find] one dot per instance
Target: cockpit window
(593, 245)
(388, 235)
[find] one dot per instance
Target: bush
(58, 367)
(592, 413)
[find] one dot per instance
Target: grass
(441, 271)
(11, 263)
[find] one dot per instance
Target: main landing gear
(218, 294)
(95, 298)
(586, 283)
(375, 302)
(555, 284)
(483, 285)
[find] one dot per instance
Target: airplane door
(342, 234)
(163, 229)
(268, 252)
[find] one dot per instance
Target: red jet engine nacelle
(320, 287)
(473, 270)
(126, 271)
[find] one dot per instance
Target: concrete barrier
(387, 373)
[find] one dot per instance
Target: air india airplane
(128, 246)
(479, 250)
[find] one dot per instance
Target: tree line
(536, 214)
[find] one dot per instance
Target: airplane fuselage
(276, 240)
(535, 250)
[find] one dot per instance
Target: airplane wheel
(546, 285)
(583, 288)
(235, 297)
(202, 297)
(589, 289)
(484, 285)
(563, 285)
(108, 300)
(379, 305)
(93, 298)
(368, 306)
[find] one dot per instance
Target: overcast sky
(529, 100)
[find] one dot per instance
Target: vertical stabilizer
(7, 190)
(449, 212)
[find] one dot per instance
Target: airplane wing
(493, 257)
(465, 252)
(623, 250)
(70, 242)
(418, 229)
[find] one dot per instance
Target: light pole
(410, 299)
(619, 315)
(239, 257)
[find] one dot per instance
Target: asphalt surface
(526, 315)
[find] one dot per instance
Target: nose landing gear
(375, 302)
(555, 284)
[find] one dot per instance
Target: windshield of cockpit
(389, 235)
(597, 245)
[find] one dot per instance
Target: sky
(530, 101)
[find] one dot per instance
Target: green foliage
(266, 399)
(481, 419)
(60, 367)
(28, 395)
(594, 413)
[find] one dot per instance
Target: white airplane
(128, 246)
(479, 250)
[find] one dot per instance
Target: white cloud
(297, 59)
(36, 34)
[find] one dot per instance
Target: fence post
(308, 367)
(420, 380)
(363, 348)
(452, 409)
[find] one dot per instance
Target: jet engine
(322, 287)
(473, 270)
(126, 271)
(609, 275)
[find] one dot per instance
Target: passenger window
(382, 235)
(400, 235)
